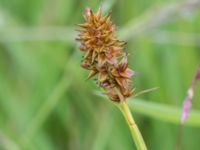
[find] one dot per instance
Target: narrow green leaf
(163, 112)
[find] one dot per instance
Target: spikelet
(104, 55)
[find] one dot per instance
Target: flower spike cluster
(104, 55)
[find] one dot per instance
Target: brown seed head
(104, 54)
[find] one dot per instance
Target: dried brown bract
(104, 54)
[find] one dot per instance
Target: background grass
(45, 102)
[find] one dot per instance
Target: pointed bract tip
(87, 12)
(92, 73)
(99, 12)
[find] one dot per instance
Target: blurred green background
(45, 101)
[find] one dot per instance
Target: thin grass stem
(135, 132)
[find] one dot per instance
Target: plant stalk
(135, 132)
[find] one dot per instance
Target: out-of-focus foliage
(45, 101)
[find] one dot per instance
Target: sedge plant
(104, 57)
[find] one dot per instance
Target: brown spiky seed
(104, 54)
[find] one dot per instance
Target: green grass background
(45, 101)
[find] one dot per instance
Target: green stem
(135, 132)
(137, 137)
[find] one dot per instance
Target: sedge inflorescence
(104, 55)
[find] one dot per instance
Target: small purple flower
(188, 99)
(187, 105)
(197, 77)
